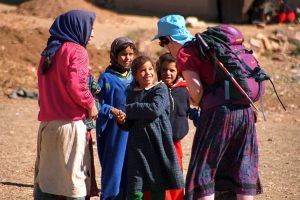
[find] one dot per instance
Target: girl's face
(145, 75)
(125, 57)
(168, 72)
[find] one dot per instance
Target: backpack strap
(277, 94)
(260, 75)
(211, 54)
(262, 110)
(226, 90)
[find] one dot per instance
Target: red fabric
(172, 194)
(286, 17)
(147, 196)
(286, 13)
(291, 17)
(281, 17)
(63, 91)
(179, 83)
(176, 194)
(188, 58)
(179, 153)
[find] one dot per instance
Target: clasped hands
(119, 115)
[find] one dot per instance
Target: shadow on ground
(17, 184)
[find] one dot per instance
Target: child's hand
(121, 117)
(93, 113)
(194, 115)
(114, 111)
(118, 114)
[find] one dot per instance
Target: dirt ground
(23, 35)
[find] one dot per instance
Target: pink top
(188, 58)
(63, 90)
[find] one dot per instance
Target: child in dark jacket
(152, 162)
(180, 109)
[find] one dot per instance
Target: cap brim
(155, 37)
(182, 39)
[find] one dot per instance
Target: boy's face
(145, 75)
(168, 72)
(125, 57)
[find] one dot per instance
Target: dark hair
(163, 40)
(138, 62)
(167, 57)
(46, 65)
(124, 46)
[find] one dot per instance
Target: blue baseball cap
(173, 26)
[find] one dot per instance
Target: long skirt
(63, 163)
(224, 153)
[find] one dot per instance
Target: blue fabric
(179, 112)
(194, 115)
(173, 26)
(111, 140)
(73, 26)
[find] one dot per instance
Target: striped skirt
(224, 155)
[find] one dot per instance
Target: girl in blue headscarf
(63, 164)
(111, 140)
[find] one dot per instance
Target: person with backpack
(225, 152)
